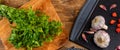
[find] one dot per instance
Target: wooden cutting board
(44, 6)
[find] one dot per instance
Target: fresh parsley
(31, 30)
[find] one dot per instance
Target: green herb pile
(31, 30)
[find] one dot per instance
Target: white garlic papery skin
(102, 39)
(99, 23)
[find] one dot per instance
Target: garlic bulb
(99, 23)
(102, 39)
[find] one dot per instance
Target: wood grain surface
(14, 3)
(68, 11)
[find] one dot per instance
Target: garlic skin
(102, 39)
(99, 23)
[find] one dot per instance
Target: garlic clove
(84, 37)
(90, 32)
(113, 6)
(103, 7)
